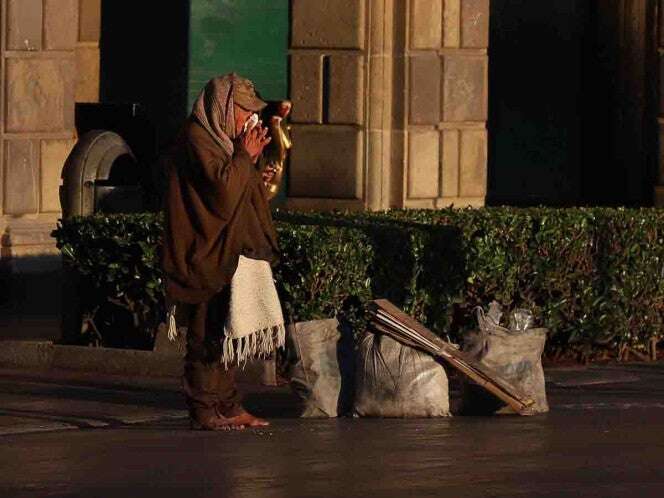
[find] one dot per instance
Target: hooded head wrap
(213, 110)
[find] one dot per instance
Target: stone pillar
(87, 51)
(328, 88)
(389, 103)
(38, 82)
(38, 67)
(446, 156)
(46, 67)
(385, 141)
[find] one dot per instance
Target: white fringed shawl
(255, 324)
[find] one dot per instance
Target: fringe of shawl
(172, 324)
(259, 344)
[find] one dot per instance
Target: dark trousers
(208, 386)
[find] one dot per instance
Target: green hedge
(112, 264)
(592, 276)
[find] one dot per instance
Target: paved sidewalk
(53, 400)
(66, 434)
(58, 401)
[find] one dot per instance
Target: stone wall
(87, 51)
(389, 103)
(328, 62)
(447, 105)
(46, 65)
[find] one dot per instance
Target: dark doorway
(569, 101)
(620, 103)
(144, 60)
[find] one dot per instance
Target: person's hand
(255, 140)
(268, 173)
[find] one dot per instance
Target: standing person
(219, 245)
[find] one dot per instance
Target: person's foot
(213, 422)
(246, 419)
(241, 418)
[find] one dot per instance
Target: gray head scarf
(213, 109)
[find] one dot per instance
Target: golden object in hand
(276, 153)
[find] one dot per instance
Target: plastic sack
(520, 320)
(321, 367)
(515, 357)
(393, 380)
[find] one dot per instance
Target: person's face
(241, 116)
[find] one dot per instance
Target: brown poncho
(216, 203)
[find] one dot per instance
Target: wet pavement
(604, 437)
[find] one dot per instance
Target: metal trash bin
(101, 175)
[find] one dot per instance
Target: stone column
(38, 68)
(87, 51)
(385, 141)
(38, 85)
(328, 87)
(447, 66)
(50, 59)
(389, 103)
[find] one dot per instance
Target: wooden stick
(390, 320)
(386, 307)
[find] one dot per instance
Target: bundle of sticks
(388, 319)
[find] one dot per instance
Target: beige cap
(244, 94)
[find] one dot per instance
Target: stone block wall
(447, 62)
(87, 51)
(327, 86)
(389, 103)
(46, 66)
(49, 59)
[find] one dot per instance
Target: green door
(249, 37)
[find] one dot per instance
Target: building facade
(391, 97)
(389, 103)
